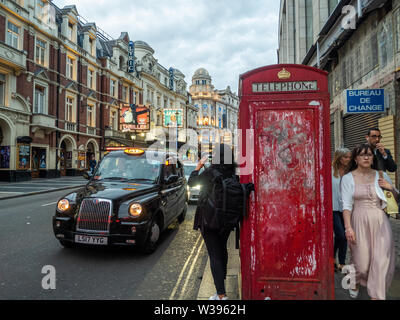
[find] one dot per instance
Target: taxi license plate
(91, 240)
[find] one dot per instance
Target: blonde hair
(339, 154)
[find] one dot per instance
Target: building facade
(217, 109)
(358, 43)
(64, 84)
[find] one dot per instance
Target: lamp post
(177, 133)
(133, 137)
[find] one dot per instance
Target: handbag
(392, 208)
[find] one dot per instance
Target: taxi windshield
(128, 168)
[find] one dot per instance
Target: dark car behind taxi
(131, 198)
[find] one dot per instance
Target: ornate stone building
(217, 109)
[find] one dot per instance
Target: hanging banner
(135, 117)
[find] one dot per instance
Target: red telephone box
(287, 236)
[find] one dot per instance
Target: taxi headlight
(63, 205)
(135, 210)
(197, 187)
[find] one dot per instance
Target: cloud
(227, 37)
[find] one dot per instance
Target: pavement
(9, 190)
(233, 281)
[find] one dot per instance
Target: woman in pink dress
(367, 226)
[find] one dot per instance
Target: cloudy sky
(227, 37)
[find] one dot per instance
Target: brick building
(63, 85)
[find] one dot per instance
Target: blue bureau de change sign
(365, 101)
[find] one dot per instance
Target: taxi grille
(94, 216)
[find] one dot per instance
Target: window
(92, 46)
(13, 32)
(40, 8)
(114, 120)
(69, 109)
(2, 89)
(71, 31)
(125, 94)
(309, 24)
(70, 68)
(91, 116)
(40, 51)
(135, 95)
(332, 5)
(40, 100)
(91, 79)
(113, 90)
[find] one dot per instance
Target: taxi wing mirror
(87, 175)
(172, 179)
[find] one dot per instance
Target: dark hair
(356, 152)
(373, 129)
(223, 157)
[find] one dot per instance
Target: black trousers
(340, 243)
(217, 250)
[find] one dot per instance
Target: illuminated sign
(131, 57)
(173, 118)
(134, 118)
(171, 79)
(134, 151)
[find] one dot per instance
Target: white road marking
(30, 187)
(11, 192)
(171, 297)
(48, 204)
(190, 272)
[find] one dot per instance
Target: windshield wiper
(139, 179)
(114, 178)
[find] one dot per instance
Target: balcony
(110, 133)
(12, 57)
(69, 126)
(43, 122)
(91, 131)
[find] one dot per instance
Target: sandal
(354, 293)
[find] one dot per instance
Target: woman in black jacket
(216, 242)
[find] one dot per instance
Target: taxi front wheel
(150, 244)
(182, 216)
(66, 244)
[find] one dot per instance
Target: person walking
(383, 159)
(367, 227)
(340, 166)
(216, 242)
(92, 163)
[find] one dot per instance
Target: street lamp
(177, 134)
(133, 137)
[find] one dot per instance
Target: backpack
(225, 204)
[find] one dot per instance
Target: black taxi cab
(132, 196)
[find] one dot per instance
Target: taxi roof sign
(134, 151)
